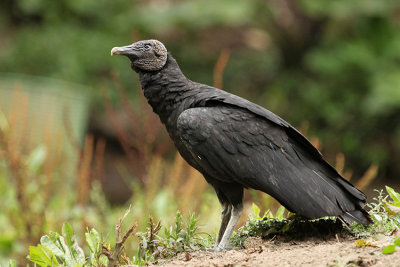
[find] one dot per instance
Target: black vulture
(237, 144)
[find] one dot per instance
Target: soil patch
(338, 251)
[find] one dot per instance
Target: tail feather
(351, 189)
(360, 216)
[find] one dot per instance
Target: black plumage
(237, 144)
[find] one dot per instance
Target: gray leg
(225, 216)
(235, 215)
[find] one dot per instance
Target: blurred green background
(330, 68)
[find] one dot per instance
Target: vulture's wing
(215, 97)
(235, 145)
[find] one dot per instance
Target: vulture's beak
(128, 50)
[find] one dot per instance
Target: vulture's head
(148, 55)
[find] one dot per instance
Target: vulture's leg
(235, 215)
(225, 216)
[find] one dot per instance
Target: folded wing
(236, 145)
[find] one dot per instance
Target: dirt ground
(258, 252)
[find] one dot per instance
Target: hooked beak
(128, 50)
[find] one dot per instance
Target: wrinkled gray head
(147, 55)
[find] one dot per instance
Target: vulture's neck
(165, 89)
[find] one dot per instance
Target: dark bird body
(237, 144)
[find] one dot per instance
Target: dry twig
(113, 256)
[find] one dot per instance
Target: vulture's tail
(360, 216)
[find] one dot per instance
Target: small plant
(55, 249)
(182, 236)
(62, 249)
(258, 225)
(117, 255)
(385, 215)
(185, 236)
(393, 211)
(149, 244)
(393, 207)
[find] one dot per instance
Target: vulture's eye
(147, 46)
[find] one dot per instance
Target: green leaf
(71, 254)
(93, 240)
(265, 214)
(103, 261)
(53, 242)
(394, 195)
(391, 209)
(397, 242)
(76, 256)
(42, 255)
(68, 232)
(256, 211)
(280, 212)
(178, 223)
(389, 249)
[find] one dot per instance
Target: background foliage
(333, 65)
(332, 69)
